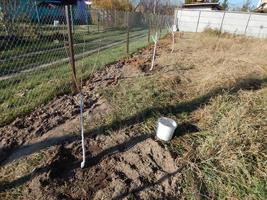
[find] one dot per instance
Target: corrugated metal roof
(208, 5)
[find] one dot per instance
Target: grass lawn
(46, 50)
(217, 97)
(220, 106)
(22, 94)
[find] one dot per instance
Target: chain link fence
(34, 54)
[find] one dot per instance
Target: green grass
(226, 158)
(45, 41)
(45, 44)
(20, 95)
(229, 158)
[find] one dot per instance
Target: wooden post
(71, 50)
(160, 24)
(98, 20)
(88, 19)
(37, 12)
(128, 33)
(149, 28)
(149, 33)
(71, 18)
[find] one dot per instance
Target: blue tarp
(79, 10)
(46, 13)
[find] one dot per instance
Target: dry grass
(217, 61)
(214, 86)
(223, 82)
(227, 158)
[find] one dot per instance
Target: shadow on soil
(189, 106)
(65, 162)
(245, 84)
(135, 191)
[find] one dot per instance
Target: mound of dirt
(120, 165)
(65, 108)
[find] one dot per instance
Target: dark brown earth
(216, 96)
(120, 165)
(65, 108)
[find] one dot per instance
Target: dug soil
(120, 165)
(41, 154)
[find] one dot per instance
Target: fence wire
(34, 49)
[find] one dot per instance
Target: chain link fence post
(70, 48)
(128, 33)
(149, 29)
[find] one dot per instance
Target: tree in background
(107, 13)
(10, 7)
(8, 14)
(188, 1)
(225, 4)
(154, 6)
(203, 1)
(113, 4)
(247, 6)
(3, 25)
(14, 19)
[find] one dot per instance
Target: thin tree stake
(173, 36)
(155, 40)
(82, 131)
(81, 108)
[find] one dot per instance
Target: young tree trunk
(149, 33)
(173, 41)
(128, 33)
(154, 51)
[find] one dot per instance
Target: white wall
(254, 24)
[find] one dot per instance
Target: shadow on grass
(247, 84)
(189, 106)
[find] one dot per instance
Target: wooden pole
(37, 12)
(149, 29)
(98, 21)
(71, 18)
(128, 33)
(71, 50)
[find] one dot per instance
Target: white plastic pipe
(173, 41)
(82, 131)
(155, 40)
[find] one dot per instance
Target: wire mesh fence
(34, 49)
